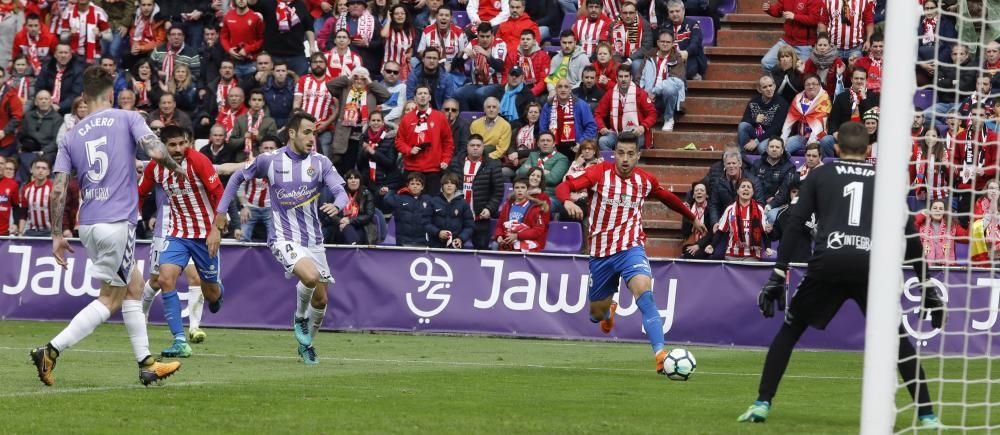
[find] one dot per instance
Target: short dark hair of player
(629, 137)
(476, 136)
(852, 137)
(174, 131)
(296, 119)
(567, 34)
(96, 82)
(484, 27)
(521, 180)
(415, 176)
(813, 146)
(451, 177)
(625, 68)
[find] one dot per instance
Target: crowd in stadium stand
(458, 118)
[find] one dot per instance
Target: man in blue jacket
(432, 74)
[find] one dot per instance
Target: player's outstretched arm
(574, 184)
(157, 151)
(221, 221)
(57, 208)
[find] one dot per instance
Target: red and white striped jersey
(611, 7)
(589, 33)
(316, 98)
(35, 199)
(396, 46)
(453, 41)
(341, 64)
(497, 51)
(256, 193)
(616, 206)
(727, 223)
(859, 13)
(192, 201)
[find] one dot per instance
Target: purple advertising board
(500, 294)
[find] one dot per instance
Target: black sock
(777, 359)
(913, 375)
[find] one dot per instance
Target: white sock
(305, 295)
(135, 324)
(148, 294)
(196, 306)
(82, 325)
(315, 319)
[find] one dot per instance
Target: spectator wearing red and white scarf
(22, 81)
(359, 97)
(494, 12)
(63, 74)
(173, 52)
(532, 60)
(849, 23)
(253, 126)
(488, 55)
(365, 32)
(35, 196)
(287, 23)
(626, 108)
(341, 59)
(233, 109)
(448, 38)
(631, 38)
(35, 42)
(425, 141)
(146, 33)
(83, 25)
(11, 114)
(511, 30)
(873, 63)
(742, 224)
(482, 186)
(663, 75)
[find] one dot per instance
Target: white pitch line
(467, 364)
(48, 391)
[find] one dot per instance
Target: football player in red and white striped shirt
(592, 28)
(848, 23)
(313, 97)
(192, 203)
(35, 199)
(618, 191)
(743, 222)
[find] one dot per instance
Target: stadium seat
(198, 143)
(564, 237)
(962, 253)
(608, 155)
(470, 116)
(727, 7)
(390, 234)
(923, 98)
(552, 50)
(507, 189)
(380, 226)
(567, 24)
(707, 30)
(461, 19)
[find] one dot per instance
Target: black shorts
(818, 300)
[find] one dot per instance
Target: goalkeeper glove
(933, 304)
(773, 291)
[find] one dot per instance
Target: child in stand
(522, 225)
(939, 233)
(452, 223)
(411, 210)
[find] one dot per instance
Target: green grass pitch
(251, 381)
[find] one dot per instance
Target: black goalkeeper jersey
(841, 195)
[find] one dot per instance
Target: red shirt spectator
(975, 152)
(9, 198)
(801, 19)
(533, 61)
(493, 11)
(35, 42)
(146, 32)
(427, 131)
(848, 22)
(614, 112)
(522, 224)
(242, 32)
(873, 64)
(510, 31)
(83, 23)
(11, 112)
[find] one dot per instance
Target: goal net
(943, 137)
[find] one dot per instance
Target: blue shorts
(179, 251)
(607, 272)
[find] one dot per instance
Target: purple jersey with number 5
(101, 148)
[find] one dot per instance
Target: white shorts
(288, 253)
(158, 246)
(111, 248)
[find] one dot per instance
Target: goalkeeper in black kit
(841, 195)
